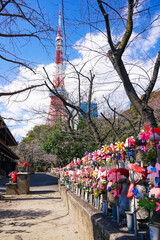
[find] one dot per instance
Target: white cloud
(30, 106)
(153, 34)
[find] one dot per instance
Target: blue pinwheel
(135, 192)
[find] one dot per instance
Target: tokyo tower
(56, 109)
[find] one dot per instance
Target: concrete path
(39, 215)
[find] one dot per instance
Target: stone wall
(90, 222)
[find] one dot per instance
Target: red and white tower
(56, 109)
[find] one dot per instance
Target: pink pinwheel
(154, 172)
(143, 147)
(158, 208)
(112, 176)
(116, 193)
(101, 187)
(102, 169)
(157, 166)
(144, 136)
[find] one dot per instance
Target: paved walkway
(39, 215)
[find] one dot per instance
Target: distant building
(94, 111)
(8, 159)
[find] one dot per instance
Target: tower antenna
(56, 109)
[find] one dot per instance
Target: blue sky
(33, 50)
(84, 44)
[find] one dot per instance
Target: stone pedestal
(91, 197)
(79, 192)
(86, 196)
(23, 182)
(82, 193)
(21, 187)
(96, 202)
(11, 189)
(130, 221)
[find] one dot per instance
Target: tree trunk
(147, 114)
(143, 109)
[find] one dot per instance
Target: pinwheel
(154, 171)
(135, 192)
(116, 193)
(144, 136)
(120, 146)
(158, 208)
(95, 172)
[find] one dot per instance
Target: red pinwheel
(25, 164)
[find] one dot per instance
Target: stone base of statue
(11, 188)
(21, 187)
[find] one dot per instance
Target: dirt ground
(35, 217)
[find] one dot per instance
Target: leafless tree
(125, 22)
(115, 54)
(19, 23)
(72, 105)
(120, 115)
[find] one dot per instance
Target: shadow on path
(19, 218)
(22, 214)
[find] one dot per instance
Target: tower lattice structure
(56, 109)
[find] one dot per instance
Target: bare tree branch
(114, 11)
(17, 62)
(110, 41)
(87, 115)
(114, 110)
(112, 125)
(18, 35)
(129, 27)
(3, 5)
(20, 91)
(153, 80)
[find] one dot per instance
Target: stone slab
(11, 189)
(23, 182)
(90, 222)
